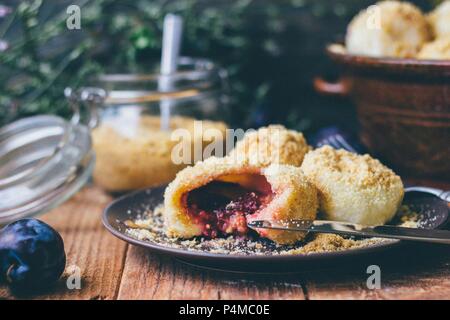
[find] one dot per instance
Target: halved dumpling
(217, 197)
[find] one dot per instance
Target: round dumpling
(217, 197)
(440, 20)
(269, 145)
(436, 50)
(353, 188)
(388, 29)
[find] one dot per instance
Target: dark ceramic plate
(434, 214)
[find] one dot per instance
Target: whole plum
(31, 254)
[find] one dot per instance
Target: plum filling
(221, 207)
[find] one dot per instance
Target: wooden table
(112, 269)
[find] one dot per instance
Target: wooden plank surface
(412, 272)
(149, 276)
(99, 256)
(111, 269)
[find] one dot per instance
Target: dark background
(271, 49)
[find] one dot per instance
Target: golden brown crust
(178, 223)
(354, 188)
(272, 144)
(295, 197)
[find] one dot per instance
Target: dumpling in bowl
(436, 50)
(388, 29)
(353, 188)
(440, 20)
(216, 198)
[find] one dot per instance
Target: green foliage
(43, 56)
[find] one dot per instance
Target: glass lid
(43, 161)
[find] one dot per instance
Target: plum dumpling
(271, 144)
(218, 196)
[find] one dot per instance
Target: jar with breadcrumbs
(150, 126)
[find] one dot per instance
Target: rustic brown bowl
(403, 107)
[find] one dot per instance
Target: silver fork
(337, 142)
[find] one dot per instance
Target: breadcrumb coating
(436, 50)
(388, 29)
(133, 155)
(294, 196)
(353, 188)
(272, 144)
(439, 20)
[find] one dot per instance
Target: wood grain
(111, 269)
(88, 245)
(417, 272)
(150, 276)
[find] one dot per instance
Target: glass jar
(138, 118)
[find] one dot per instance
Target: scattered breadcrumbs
(408, 218)
(150, 227)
